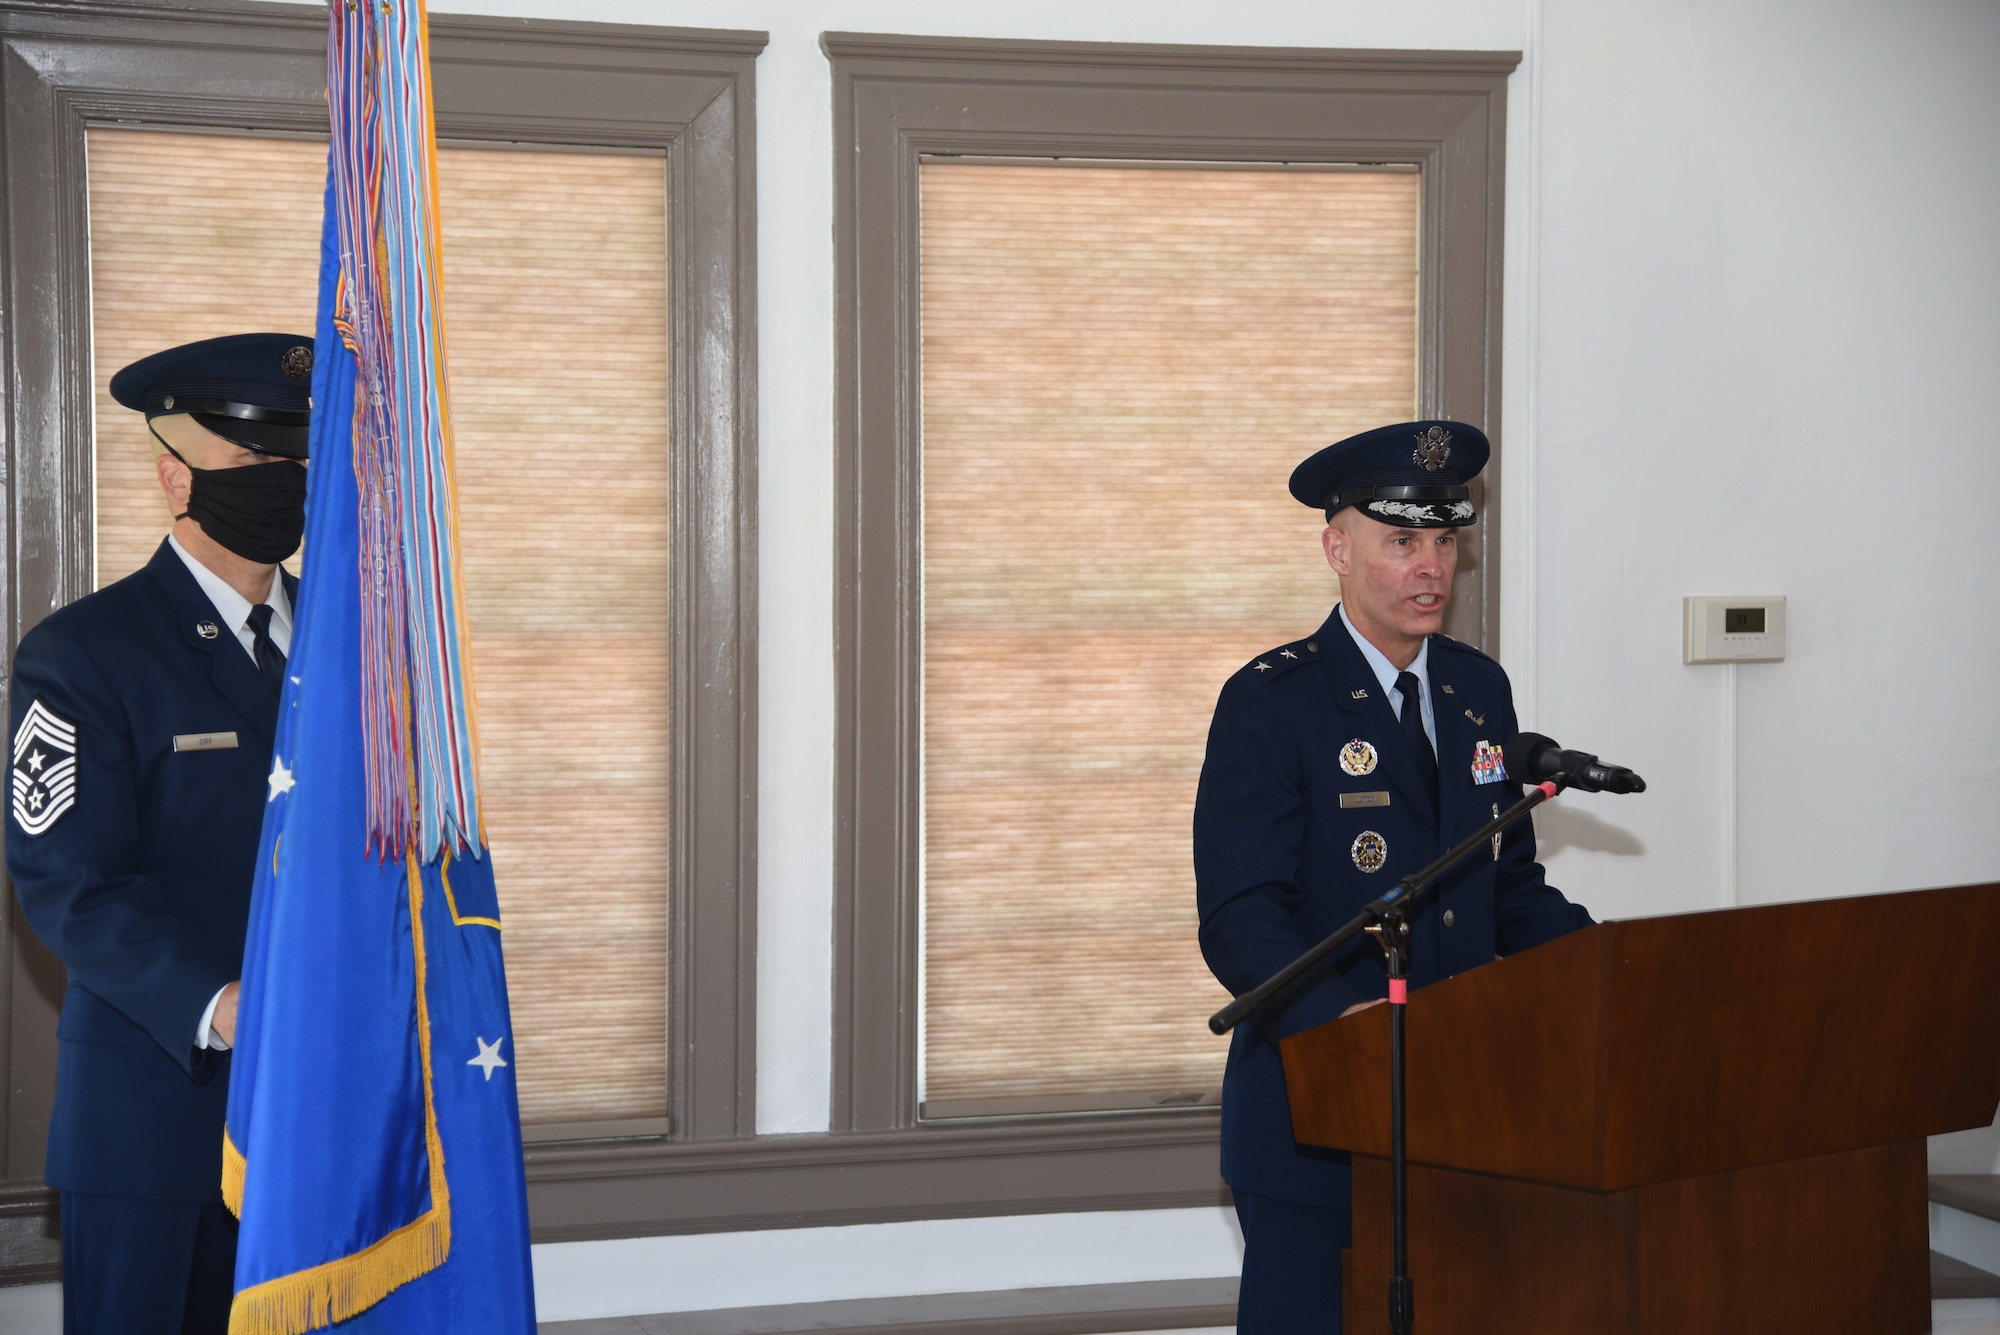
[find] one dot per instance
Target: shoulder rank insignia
(1262, 666)
(1370, 850)
(44, 769)
(1488, 765)
(1357, 758)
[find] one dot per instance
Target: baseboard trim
(30, 1234)
(1081, 1309)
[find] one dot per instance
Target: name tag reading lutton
(1364, 800)
(204, 741)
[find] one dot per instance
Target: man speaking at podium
(1336, 764)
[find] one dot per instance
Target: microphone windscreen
(1526, 755)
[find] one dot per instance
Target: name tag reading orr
(204, 741)
(1364, 800)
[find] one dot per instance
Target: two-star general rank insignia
(44, 769)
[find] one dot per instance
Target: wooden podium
(1709, 1123)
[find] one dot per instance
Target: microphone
(1533, 758)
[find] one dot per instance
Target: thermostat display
(1733, 630)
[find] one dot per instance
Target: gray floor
(1078, 1310)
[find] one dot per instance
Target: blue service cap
(252, 389)
(1413, 474)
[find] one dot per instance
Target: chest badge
(1488, 765)
(208, 630)
(1357, 758)
(1370, 851)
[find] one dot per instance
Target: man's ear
(1336, 541)
(175, 480)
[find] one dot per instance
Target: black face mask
(257, 511)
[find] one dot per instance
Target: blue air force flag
(373, 1149)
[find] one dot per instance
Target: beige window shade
(1120, 368)
(555, 301)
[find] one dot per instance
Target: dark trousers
(1291, 1266)
(133, 1267)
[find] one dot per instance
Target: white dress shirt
(234, 611)
(1387, 672)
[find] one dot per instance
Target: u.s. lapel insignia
(44, 769)
(1357, 758)
(1488, 765)
(208, 630)
(1357, 694)
(1496, 838)
(1370, 851)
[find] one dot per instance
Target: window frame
(899, 100)
(685, 93)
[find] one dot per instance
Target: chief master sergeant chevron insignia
(44, 769)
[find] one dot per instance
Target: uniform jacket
(1276, 865)
(141, 887)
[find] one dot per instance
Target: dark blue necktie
(1413, 731)
(270, 659)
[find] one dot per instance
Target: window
(1121, 364)
(1015, 340)
(629, 633)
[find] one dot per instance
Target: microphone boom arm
(1392, 907)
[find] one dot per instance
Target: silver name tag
(204, 741)
(1364, 800)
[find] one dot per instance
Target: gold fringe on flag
(232, 1175)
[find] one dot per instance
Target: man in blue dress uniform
(141, 723)
(1336, 764)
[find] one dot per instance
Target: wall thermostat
(1733, 630)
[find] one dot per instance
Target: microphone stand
(1387, 919)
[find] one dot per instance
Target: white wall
(1766, 358)
(1750, 347)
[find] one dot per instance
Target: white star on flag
(281, 779)
(489, 1057)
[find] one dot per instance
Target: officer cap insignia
(298, 362)
(44, 769)
(208, 630)
(1433, 449)
(1357, 758)
(1370, 850)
